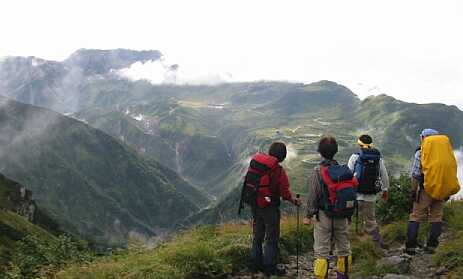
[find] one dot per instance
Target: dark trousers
(266, 226)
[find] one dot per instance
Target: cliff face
(15, 197)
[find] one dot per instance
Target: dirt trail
(419, 266)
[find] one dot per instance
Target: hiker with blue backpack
(368, 166)
(331, 202)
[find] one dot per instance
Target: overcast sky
(412, 50)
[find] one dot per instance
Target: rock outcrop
(15, 197)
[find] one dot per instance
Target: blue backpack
(367, 171)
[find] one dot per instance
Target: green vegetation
(216, 251)
(27, 249)
(13, 228)
(33, 256)
(450, 254)
(398, 205)
(204, 252)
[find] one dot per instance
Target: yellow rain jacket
(439, 167)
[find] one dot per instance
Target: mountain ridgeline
(143, 157)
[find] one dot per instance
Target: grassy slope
(450, 254)
(217, 251)
(204, 252)
(13, 228)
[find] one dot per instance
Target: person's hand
(385, 196)
(307, 221)
(297, 202)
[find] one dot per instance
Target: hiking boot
(412, 235)
(379, 240)
(434, 233)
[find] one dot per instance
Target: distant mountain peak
(330, 85)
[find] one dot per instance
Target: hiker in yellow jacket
(434, 180)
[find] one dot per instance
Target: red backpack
(339, 195)
(259, 187)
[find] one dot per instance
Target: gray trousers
(328, 231)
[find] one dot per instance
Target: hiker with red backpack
(331, 203)
(434, 180)
(368, 166)
(265, 184)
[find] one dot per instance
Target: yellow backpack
(439, 167)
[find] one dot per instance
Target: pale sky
(412, 50)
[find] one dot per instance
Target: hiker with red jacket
(331, 202)
(265, 184)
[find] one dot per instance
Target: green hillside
(179, 137)
(89, 182)
(397, 124)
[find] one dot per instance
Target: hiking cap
(428, 132)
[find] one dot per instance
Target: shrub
(33, 256)
(398, 206)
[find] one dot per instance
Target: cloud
(459, 156)
(291, 153)
(34, 128)
(163, 72)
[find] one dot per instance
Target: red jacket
(283, 182)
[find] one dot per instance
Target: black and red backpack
(339, 190)
(260, 188)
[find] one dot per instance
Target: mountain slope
(14, 227)
(397, 124)
(39, 82)
(86, 180)
(178, 137)
(323, 97)
(59, 85)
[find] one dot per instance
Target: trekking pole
(356, 218)
(298, 237)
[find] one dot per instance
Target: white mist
(459, 156)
